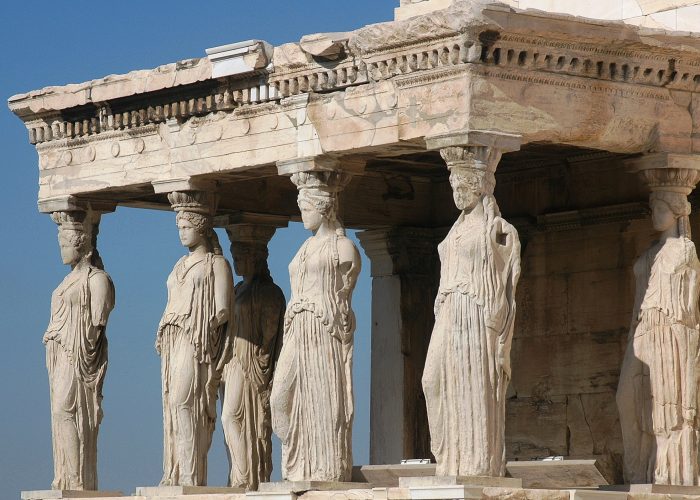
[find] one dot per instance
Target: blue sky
(55, 43)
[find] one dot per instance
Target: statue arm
(223, 292)
(350, 264)
(272, 310)
(101, 298)
(272, 321)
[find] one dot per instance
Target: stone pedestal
(175, 491)
(300, 487)
(290, 490)
(658, 489)
(482, 481)
(454, 487)
(583, 473)
(388, 476)
(60, 494)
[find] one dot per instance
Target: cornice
(640, 70)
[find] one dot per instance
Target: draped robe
(193, 355)
(257, 338)
(76, 358)
(312, 403)
(658, 391)
(467, 368)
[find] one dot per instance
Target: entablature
(377, 91)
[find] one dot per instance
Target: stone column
(404, 282)
(194, 336)
(658, 393)
(257, 339)
(467, 369)
(312, 398)
(76, 343)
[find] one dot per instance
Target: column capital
(474, 149)
(70, 203)
(320, 163)
(505, 143)
(398, 250)
(667, 171)
(184, 184)
(250, 228)
(250, 218)
(201, 202)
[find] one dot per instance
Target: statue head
(669, 209)
(469, 185)
(195, 210)
(75, 235)
(249, 250)
(318, 196)
(472, 174)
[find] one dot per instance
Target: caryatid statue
(312, 399)
(76, 351)
(193, 341)
(467, 369)
(257, 338)
(657, 396)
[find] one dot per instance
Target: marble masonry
(521, 175)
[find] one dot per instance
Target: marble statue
(312, 399)
(467, 369)
(657, 396)
(76, 352)
(257, 338)
(194, 342)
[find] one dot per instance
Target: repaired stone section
(523, 494)
(594, 424)
(184, 72)
(356, 494)
(536, 428)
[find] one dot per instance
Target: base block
(258, 495)
(175, 491)
(661, 489)
(300, 487)
(479, 481)
(388, 475)
(60, 494)
(576, 473)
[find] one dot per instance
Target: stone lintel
(396, 250)
(183, 184)
(239, 58)
(70, 203)
(503, 142)
(320, 163)
(251, 218)
(61, 494)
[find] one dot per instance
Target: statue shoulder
(220, 262)
(689, 251)
(100, 285)
(99, 278)
(273, 291)
(347, 251)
